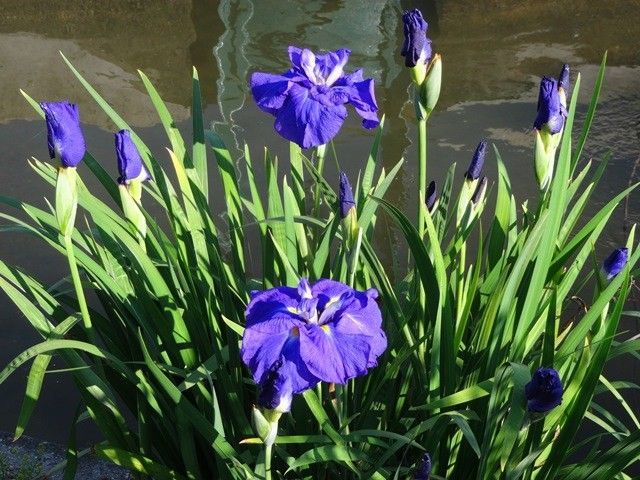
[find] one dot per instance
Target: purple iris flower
(615, 262)
(563, 78)
(346, 195)
(275, 391)
(423, 472)
(308, 101)
(431, 196)
(325, 332)
(551, 112)
(477, 162)
(130, 163)
(64, 134)
(416, 47)
(544, 391)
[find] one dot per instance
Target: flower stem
(422, 170)
(422, 189)
(267, 461)
(77, 285)
(320, 151)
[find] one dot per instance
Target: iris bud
(431, 87)
(615, 262)
(416, 48)
(549, 123)
(477, 162)
(471, 178)
(66, 143)
(431, 196)
(423, 470)
(544, 391)
(132, 175)
(276, 394)
(348, 210)
(64, 135)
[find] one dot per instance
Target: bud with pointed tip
(431, 86)
(416, 48)
(477, 162)
(615, 262)
(132, 174)
(348, 211)
(549, 124)
(431, 196)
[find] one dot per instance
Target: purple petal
(346, 195)
(362, 97)
(64, 135)
(431, 195)
(308, 119)
(332, 356)
(269, 91)
(477, 162)
(276, 391)
(550, 111)
(272, 304)
(416, 46)
(328, 290)
(130, 164)
(615, 262)
(331, 65)
(262, 349)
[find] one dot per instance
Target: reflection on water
(494, 53)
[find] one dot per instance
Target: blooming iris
(130, 163)
(325, 332)
(544, 391)
(64, 134)
(416, 48)
(615, 262)
(551, 111)
(308, 101)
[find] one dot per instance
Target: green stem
(422, 189)
(422, 171)
(267, 461)
(321, 150)
(77, 285)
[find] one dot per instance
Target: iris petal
(363, 99)
(306, 121)
(269, 91)
(332, 356)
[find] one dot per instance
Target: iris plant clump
(278, 344)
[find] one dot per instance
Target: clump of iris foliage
(325, 366)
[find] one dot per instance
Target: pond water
(494, 54)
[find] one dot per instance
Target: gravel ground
(30, 459)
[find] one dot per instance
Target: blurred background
(494, 53)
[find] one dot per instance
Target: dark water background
(494, 54)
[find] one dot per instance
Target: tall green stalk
(268, 448)
(77, 285)
(422, 189)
